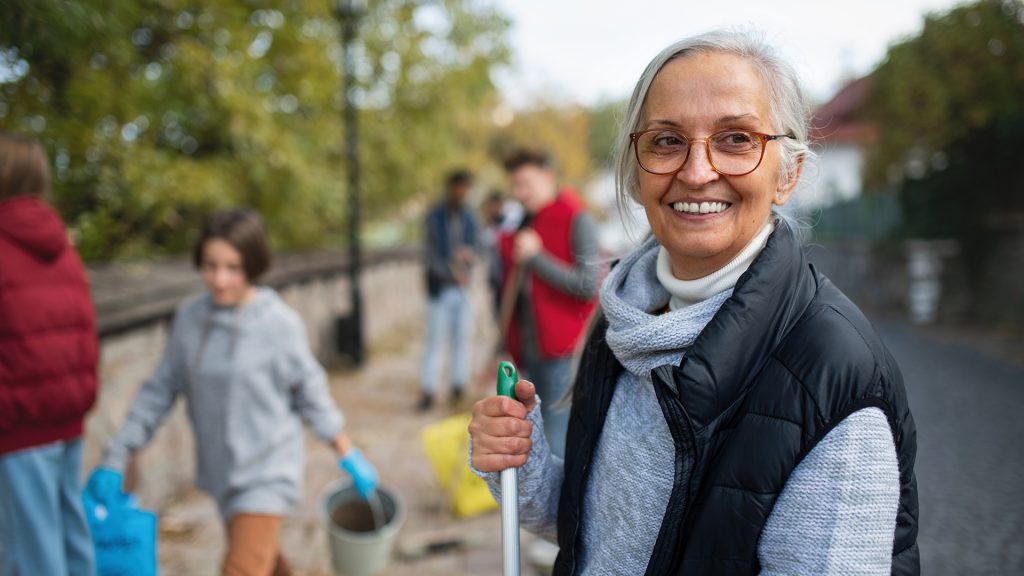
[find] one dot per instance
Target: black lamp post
(350, 328)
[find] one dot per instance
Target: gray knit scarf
(631, 297)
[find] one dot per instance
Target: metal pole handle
(507, 379)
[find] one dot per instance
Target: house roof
(839, 121)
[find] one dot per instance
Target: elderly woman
(733, 412)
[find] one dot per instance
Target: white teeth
(700, 208)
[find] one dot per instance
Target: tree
(605, 120)
(156, 111)
(562, 131)
(949, 104)
(962, 73)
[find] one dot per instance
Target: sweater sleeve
(307, 380)
(837, 512)
(150, 406)
(540, 483)
(580, 277)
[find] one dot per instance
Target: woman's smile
(700, 209)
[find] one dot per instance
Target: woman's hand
(104, 486)
(352, 461)
(500, 431)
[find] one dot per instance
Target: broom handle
(507, 379)
(508, 303)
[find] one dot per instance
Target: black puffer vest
(785, 359)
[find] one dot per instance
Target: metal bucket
(358, 546)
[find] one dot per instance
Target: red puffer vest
(48, 344)
(559, 317)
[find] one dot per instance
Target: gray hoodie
(249, 379)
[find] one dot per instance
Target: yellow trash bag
(447, 446)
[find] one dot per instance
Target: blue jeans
(551, 377)
(449, 318)
(42, 523)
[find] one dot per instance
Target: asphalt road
(970, 463)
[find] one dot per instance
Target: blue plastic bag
(123, 536)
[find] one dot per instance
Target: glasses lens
(661, 151)
(735, 151)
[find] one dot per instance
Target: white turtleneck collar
(688, 292)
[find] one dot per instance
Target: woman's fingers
(500, 431)
(501, 427)
(509, 445)
(498, 406)
(526, 393)
(496, 453)
(497, 462)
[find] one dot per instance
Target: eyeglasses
(731, 152)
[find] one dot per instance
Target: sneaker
(426, 402)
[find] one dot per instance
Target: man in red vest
(551, 270)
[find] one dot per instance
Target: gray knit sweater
(836, 514)
(249, 380)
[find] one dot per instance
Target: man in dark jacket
(48, 358)
(451, 248)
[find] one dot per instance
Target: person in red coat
(551, 272)
(48, 360)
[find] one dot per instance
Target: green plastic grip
(507, 379)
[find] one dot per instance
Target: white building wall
(834, 176)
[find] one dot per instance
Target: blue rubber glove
(104, 486)
(364, 475)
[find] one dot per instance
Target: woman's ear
(787, 182)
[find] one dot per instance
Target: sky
(585, 51)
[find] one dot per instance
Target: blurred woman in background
(241, 358)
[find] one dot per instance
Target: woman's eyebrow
(749, 117)
(654, 121)
(721, 121)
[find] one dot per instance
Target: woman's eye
(667, 139)
(736, 141)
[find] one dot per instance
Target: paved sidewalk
(379, 403)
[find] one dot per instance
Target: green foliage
(605, 120)
(972, 198)
(962, 73)
(949, 104)
(562, 131)
(581, 140)
(978, 200)
(156, 111)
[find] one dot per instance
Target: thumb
(526, 394)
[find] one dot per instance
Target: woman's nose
(697, 171)
(221, 278)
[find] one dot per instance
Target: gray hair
(790, 112)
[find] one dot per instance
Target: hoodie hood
(31, 224)
(233, 319)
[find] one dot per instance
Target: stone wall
(135, 304)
